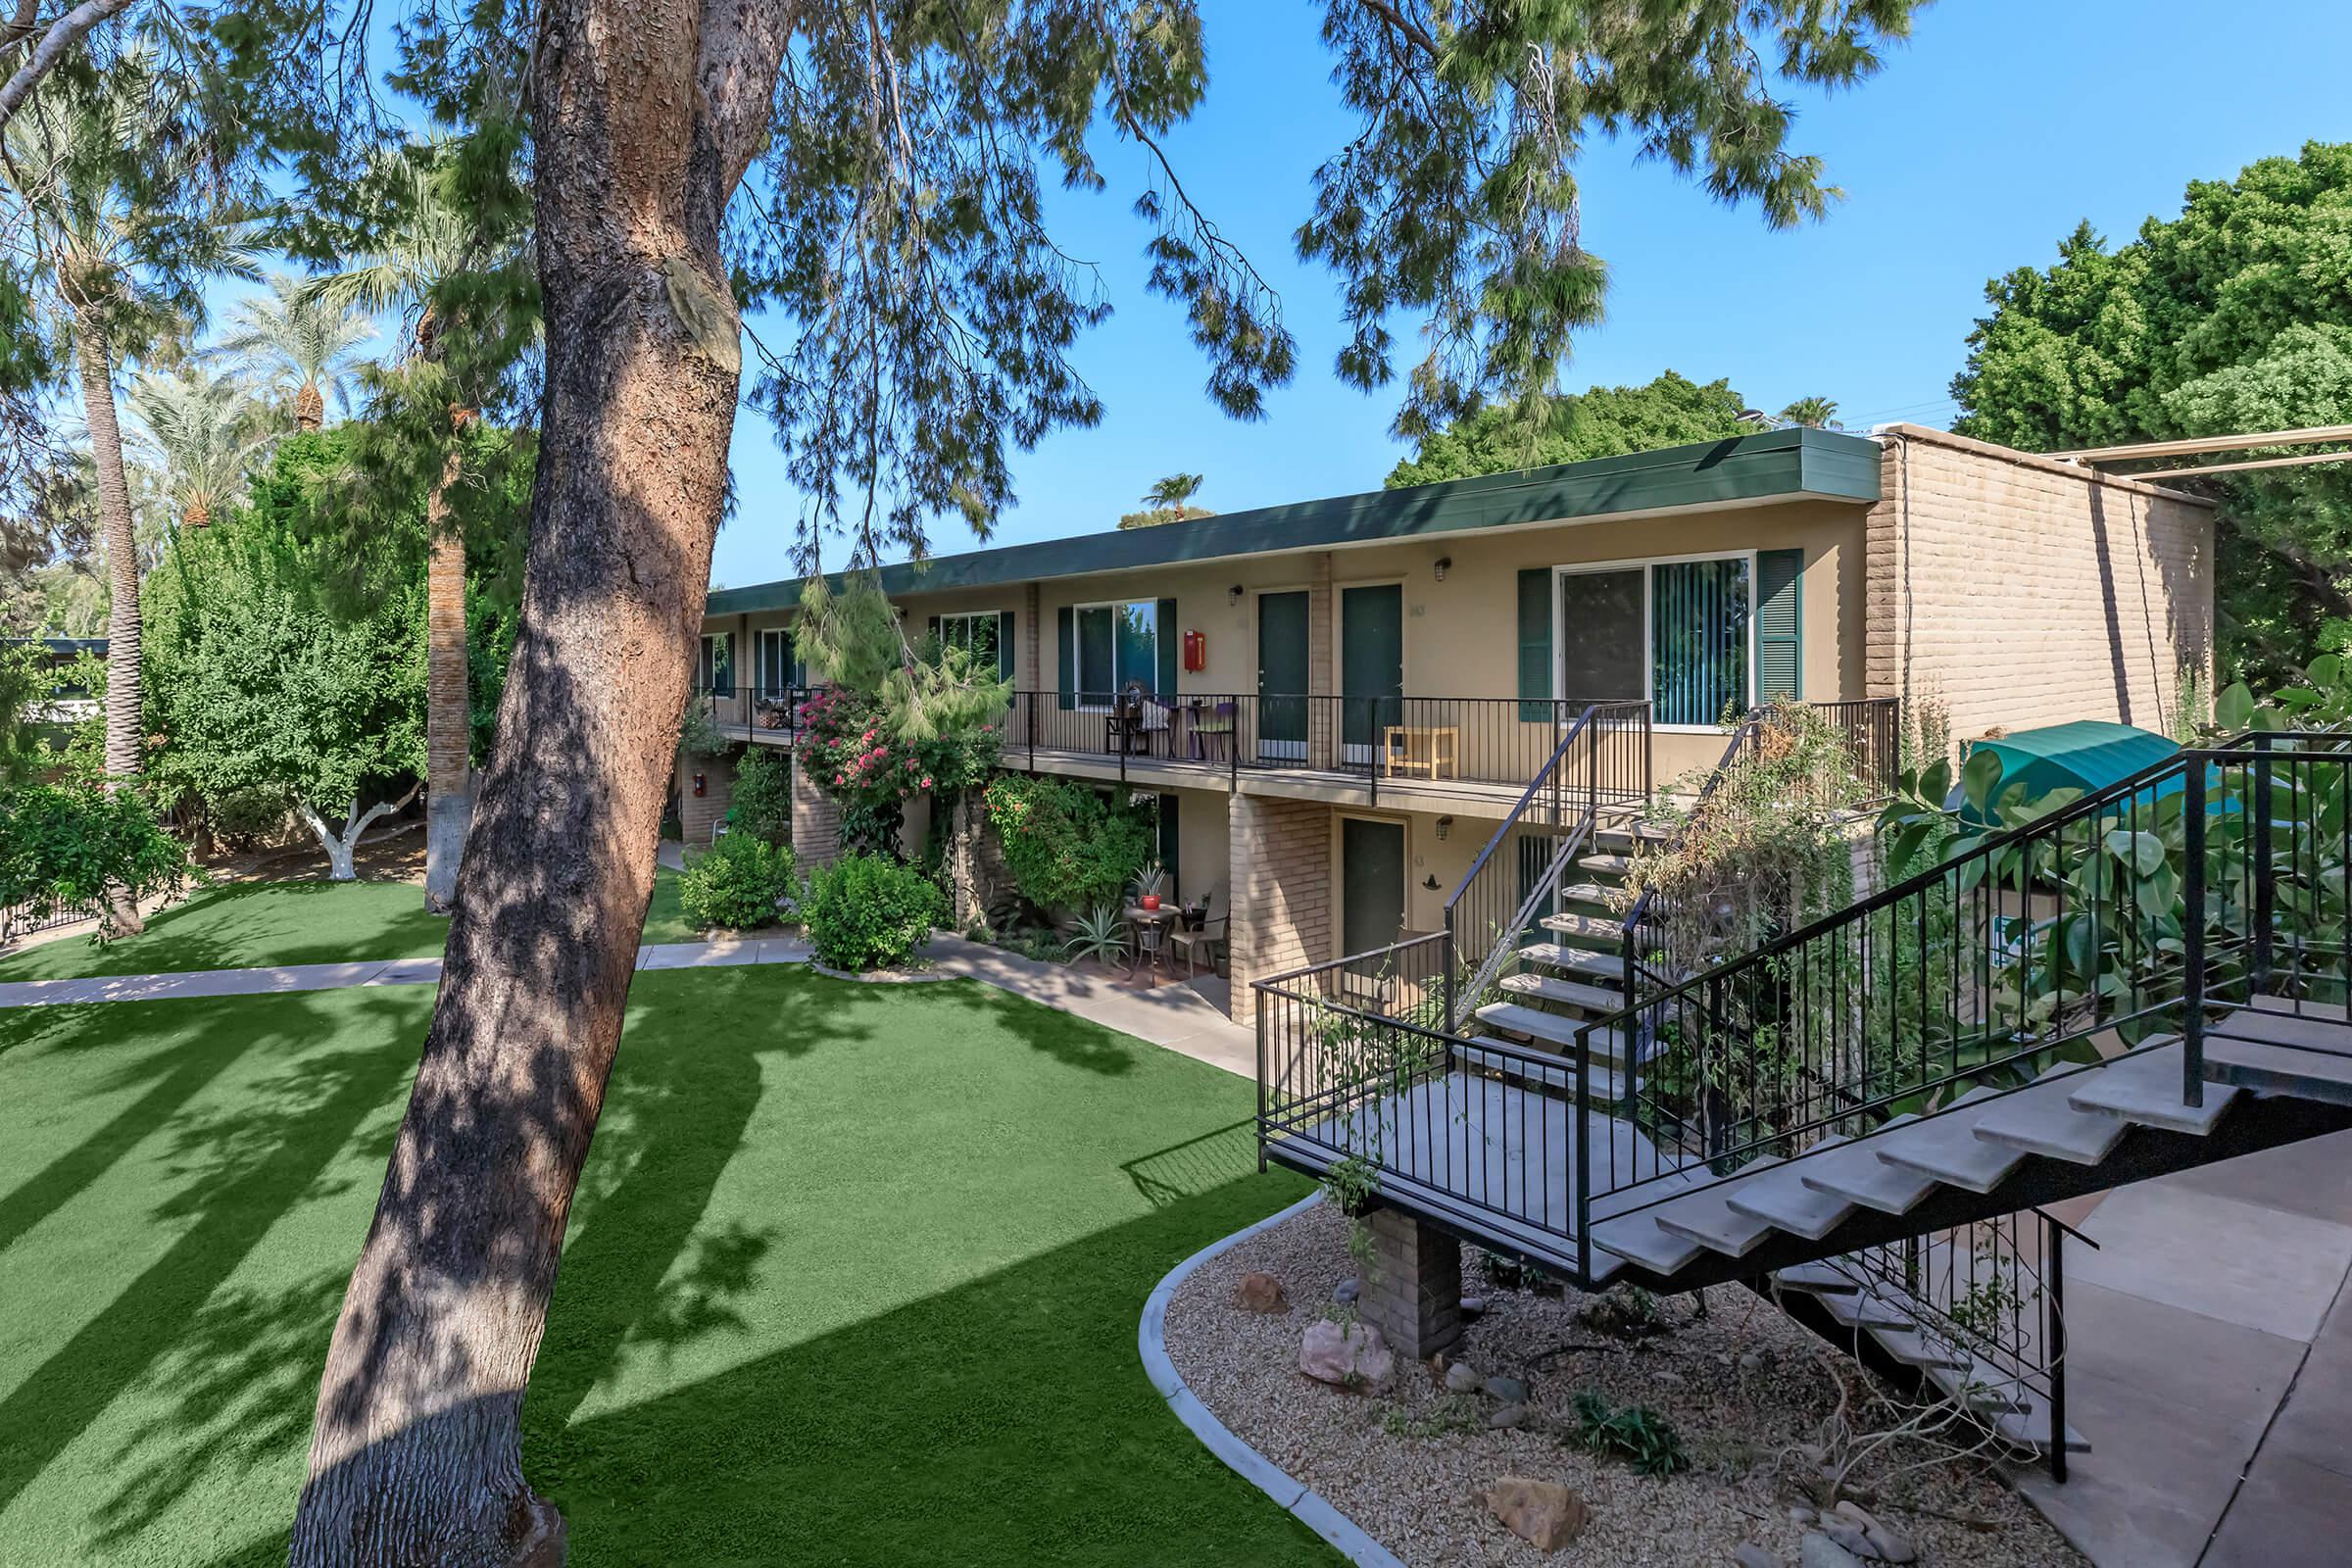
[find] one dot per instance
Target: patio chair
(1207, 940)
(1211, 731)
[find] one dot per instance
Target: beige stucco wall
(2028, 592)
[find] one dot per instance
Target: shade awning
(2087, 755)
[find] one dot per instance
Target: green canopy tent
(2087, 755)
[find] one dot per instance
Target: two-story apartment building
(1339, 700)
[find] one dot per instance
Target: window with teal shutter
(1534, 645)
(1699, 640)
(1779, 625)
(1067, 666)
(1004, 662)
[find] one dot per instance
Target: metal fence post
(2266, 885)
(2053, 1339)
(2193, 936)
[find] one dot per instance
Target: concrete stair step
(1623, 836)
(1913, 1348)
(1563, 993)
(1856, 1174)
(1781, 1198)
(1816, 1278)
(1603, 1083)
(1590, 926)
(1512, 1017)
(1640, 1239)
(1979, 1389)
(2278, 1069)
(1708, 1218)
(2030, 1428)
(2144, 1086)
(1593, 894)
(1946, 1147)
(1605, 864)
(1867, 1310)
(1574, 960)
(2042, 1119)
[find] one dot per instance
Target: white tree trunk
(341, 847)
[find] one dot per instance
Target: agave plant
(1101, 935)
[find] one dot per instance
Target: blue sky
(1983, 143)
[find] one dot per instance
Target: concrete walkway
(2211, 1368)
(1175, 1017)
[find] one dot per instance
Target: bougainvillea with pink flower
(852, 755)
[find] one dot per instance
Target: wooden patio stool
(1433, 751)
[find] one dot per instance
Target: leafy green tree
(1606, 421)
(871, 182)
(1168, 501)
(2234, 317)
(303, 346)
(266, 688)
(75, 845)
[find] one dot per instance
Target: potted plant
(1148, 883)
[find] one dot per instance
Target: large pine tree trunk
(448, 704)
(124, 719)
(645, 114)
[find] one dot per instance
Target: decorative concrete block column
(699, 815)
(1414, 1295)
(815, 820)
(1278, 860)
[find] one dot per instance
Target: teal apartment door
(1371, 884)
(1371, 666)
(1282, 675)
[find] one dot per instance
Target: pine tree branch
(63, 34)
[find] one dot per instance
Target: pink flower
(926, 781)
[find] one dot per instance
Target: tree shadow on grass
(1064, 1036)
(1004, 1424)
(288, 1139)
(250, 924)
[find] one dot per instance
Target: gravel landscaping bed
(1743, 1385)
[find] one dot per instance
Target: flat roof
(1744, 470)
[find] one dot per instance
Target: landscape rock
(1257, 1292)
(1510, 1415)
(1802, 1514)
(1543, 1513)
(1462, 1378)
(1473, 1305)
(1818, 1550)
(1848, 1535)
(1349, 1355)
(1750, 1362)
(1748, 1554)
(1509, 1389)
(1885, 1542)
(1347, 1290)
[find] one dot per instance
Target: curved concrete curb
(884, 977)
(1295, 1495)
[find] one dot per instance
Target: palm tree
(303, 345)
(1813, 413)
(1173, 493)
(205, 431)
(436, 239)
(121, 220)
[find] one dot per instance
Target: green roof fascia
(1773, 465)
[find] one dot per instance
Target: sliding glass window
(1118, 645)
(1699, 640)
(976, 634)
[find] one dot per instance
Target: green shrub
(736, 883)
(65, 846)
(763, 800)
(1640, 1436)
(1065, 846)
(865, 911)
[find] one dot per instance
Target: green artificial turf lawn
(853, 1277)
(246, 924)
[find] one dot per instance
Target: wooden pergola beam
(2204, 444)
(2303, 460)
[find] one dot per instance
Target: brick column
(698, 815)
(1322, 632)
(1414, 1295)
(1279, 871)
(1028, 673)
(816, 821)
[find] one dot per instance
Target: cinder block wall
(698, 815)
(2030, 592)
(1281, 871)
(816, 821)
